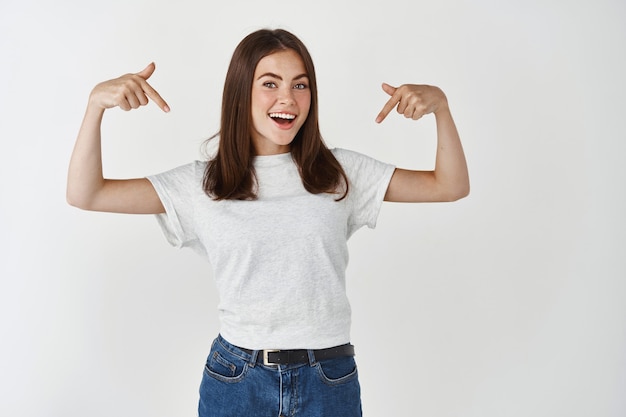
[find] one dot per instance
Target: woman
(272, 212)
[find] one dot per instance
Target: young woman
(272, 211)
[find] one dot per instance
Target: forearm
(451, 172)
(85, 177)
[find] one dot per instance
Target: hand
(129, 91)
(413, 101)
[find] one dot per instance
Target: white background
(508, 303)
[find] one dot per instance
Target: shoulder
(348, 157)
(352, 160)
(190, 169)
(184, 176)
(341, 153)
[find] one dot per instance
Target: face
(281, 99)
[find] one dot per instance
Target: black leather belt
(284, 357)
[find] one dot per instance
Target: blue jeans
(236, 384)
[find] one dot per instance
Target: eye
(269, 84)
(300, 86)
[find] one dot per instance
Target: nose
(286, 96)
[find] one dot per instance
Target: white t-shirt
(279, 261)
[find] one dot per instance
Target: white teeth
(283, 116)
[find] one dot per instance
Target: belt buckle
(266, 353)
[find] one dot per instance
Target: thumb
(147, 71)
(389, 89)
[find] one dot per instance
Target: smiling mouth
(283, 118)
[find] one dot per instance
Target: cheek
(259, 101)
(257, 116)
(259, 108)
(304, 103)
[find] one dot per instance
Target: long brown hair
(230, 175)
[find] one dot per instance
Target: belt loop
(253, 358)
(312, 360)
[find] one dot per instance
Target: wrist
(95, 105)
(442, 109)
(442, 105)
(94, 112)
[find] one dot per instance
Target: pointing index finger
(155, 96)
(391, 103)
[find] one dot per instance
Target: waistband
(274, 357)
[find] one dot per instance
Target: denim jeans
(236, 384)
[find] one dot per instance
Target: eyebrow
(271, 74)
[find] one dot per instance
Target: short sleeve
(179, 190)
(369, 179)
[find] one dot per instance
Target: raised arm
(86, 187)
(449, 181)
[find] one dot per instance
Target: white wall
(507, 303)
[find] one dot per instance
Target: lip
(283, 126)
(282, 112)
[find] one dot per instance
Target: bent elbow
(76, 200)
(457, 194)
(462, 193)
(72, 201)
